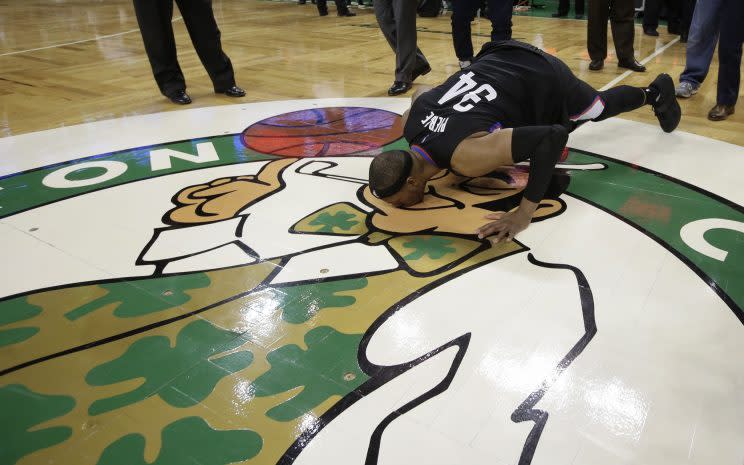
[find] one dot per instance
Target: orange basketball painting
(322, 132)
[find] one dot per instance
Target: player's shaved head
(388, 172)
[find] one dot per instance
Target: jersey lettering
(490, 94)
(465, 85)
(428, 118)
(434, 123)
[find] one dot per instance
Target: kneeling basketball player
(514, 103)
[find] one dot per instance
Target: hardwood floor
(70, 62)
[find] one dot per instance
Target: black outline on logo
(526, 410)
(738, 311)
(402, 265)
(380, 375)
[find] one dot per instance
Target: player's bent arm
(542, 145)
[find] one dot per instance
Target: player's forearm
(542, 145)
(527, 208)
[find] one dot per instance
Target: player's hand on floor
(506, 226)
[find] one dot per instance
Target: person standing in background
(687, 10)
(397, 20)
(463, 13)
(341, 8)
(154, 18)
(564, 5)
(651, 11)
(621, 15)
(679, 17)
(729, 59)
(704, 31)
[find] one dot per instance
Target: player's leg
(584, 103)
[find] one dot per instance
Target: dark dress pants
(154, 18)
(463, 13)
(341, 6)
(688, 8)
(397, 20)
(621, 15)
(651, 12)
(729, 52)
(564, 6)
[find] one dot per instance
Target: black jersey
(510, 84)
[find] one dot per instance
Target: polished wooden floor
(64, 62)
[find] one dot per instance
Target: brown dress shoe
(720, 112)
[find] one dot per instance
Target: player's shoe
(665, 106)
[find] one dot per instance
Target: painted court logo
(244, 298)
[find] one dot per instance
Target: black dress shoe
(323, 12)
(632, 65)
(596, 65)
(420, 72)
(579, 16)
(651, 32)
(180, 97)
(346, 13)
(234, 91)
(559, 15)
(399, 87)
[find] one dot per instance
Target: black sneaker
(665, 106)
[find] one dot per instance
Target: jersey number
(465, 85)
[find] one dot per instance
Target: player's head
(456, 205)
(394, 178)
